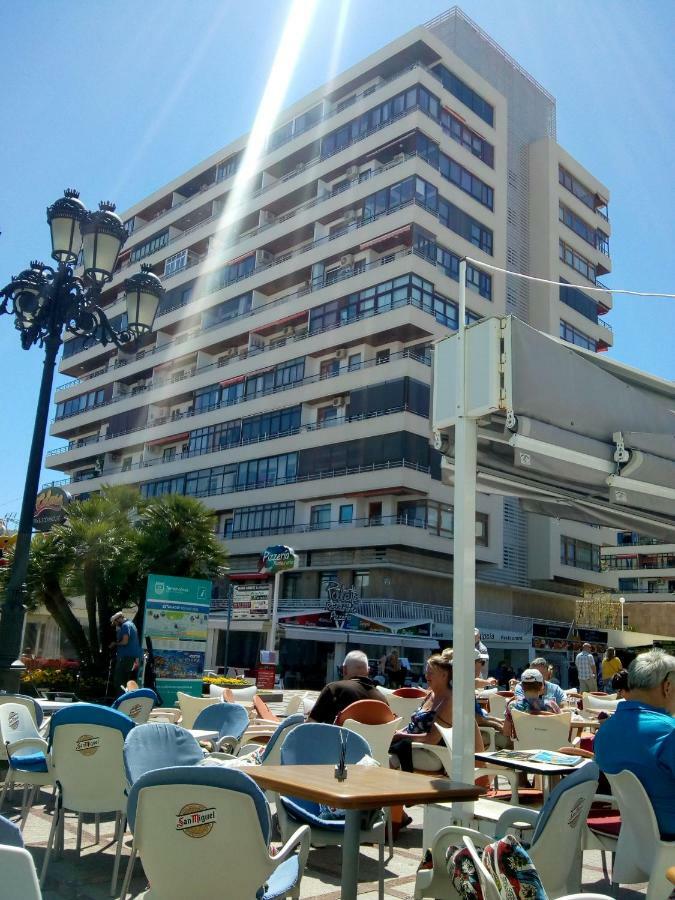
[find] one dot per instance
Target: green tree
(104, 551)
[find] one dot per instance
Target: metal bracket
(621, 455)
(441, 442)
(511, 420)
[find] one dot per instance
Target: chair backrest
(404, 707)
(490, 889)
(19, 878)
(378, 737)
(86, 742)
(498, 704)
(410, 692)
(540, 732)
(165, 714)
(639, 836)
(599, 704)
(17, 724)
(271, 755)
(158, 745)
(316, 744)
(294, 705)
(216, 691)
(228, 719)
(30, 703)
(245, 695)
(190, 707)
(368, 712)
(556, 842)
(10, 834)
(137, 704)
(207, 823)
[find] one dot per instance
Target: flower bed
(224, 681)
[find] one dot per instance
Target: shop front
(559, 644)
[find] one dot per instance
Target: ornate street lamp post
(45, 301)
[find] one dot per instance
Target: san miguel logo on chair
(195, 820)
(13, 720)
(135, 711)
(87, 744)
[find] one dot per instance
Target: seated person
(551, 691)
(338, 695)
(533, 700)
(480, 659)
(620, 685)
(640, 736)
(435, 707)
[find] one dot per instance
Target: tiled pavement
(88, 877)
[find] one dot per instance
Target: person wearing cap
(588, 676)
(127, 649)
(551, 691)
(532, 700)
(481, 648)
(480, 661)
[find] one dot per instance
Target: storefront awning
(342, 636)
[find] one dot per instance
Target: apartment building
(642, 571)
(286, 383)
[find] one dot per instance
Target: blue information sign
(176, 618)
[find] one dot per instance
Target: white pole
(272, 636)
(622, 600)
(464, 577)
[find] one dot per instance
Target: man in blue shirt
(640, 736)
(551, 691)
(128, 650)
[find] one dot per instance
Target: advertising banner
(176, 617)
(278, 558)
(251, 601)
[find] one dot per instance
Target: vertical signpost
(176, 618)
(273, 561)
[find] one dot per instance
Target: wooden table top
(366, 787)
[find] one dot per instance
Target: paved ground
(88, 877)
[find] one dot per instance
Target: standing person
(573, 676)
(355, 684)
(611, 666)
(585, 662)
(480, 646)
(128, 650)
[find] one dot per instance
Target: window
(362, 583)
(465, 94)
(327, 416)
(272, 424)
(290, 585)
(382, 356)
(126, 463)
(579, 554)
(346, 514)
(325, 578)
(319, 516)
(576, 187)
(168, 454)
(571, 258)
(175, 263)
(271, 470)
(214, 437)
(329, 368)
(454, 171)
(229, 309)
(150, 246)
(576, 299)
(577, 224)
(354, 362)
(229, 167)
(268, 518)
(482, 529)
(573, 336)
(80, 403)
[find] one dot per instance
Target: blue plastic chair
(228, 812)
(230, 720)
(137, 704)
(316, 744)
(158, 745)
(271, 755)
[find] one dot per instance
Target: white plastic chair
(640, 855)
(599, 704)
(294, 705)
(19, 878)
(436, 882)
(31, 705)
(404, 707)
(190, 707)
(245, 695)
(492, 892)
(26, 752)
(205, 833)
(86, 744)
(165, 714)
(137, 704)
(535, 732)
(498, 704)
(559, 830)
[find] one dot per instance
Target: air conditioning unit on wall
(339, 401)
(352, 171)
(341, 353)
(346, 260)
(350, 215)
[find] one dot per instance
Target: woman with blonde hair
(435, 707)
(611, 666)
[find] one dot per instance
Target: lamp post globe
(622, 600)
(45, 302)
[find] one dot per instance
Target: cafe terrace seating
(26, 752)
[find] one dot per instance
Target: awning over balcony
(386, 238)
(235, 380)
(573, 434)
(171, 439)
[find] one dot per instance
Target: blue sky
(117, 98)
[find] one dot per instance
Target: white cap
(531, 676)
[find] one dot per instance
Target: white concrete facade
(321, 298)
